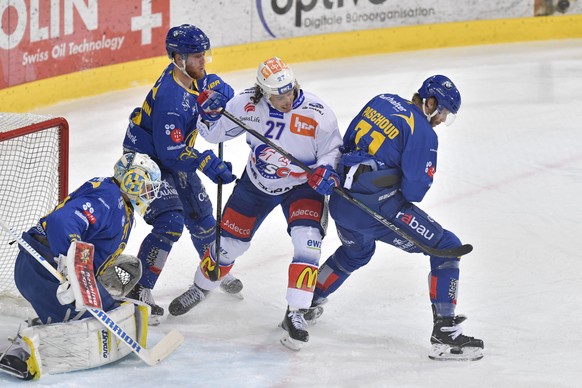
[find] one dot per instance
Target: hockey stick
(452, 252)
(216, 269)
(151, 356)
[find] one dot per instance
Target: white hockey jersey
(309, 132)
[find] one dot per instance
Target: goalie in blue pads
(82, 238)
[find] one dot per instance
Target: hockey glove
(216, 83)
(214, 168)
(210, 104)
(323, 180)
(65, 293)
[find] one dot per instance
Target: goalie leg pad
(79, 345)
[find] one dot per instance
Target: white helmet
(275, 77)
(139, 178)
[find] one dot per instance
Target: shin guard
(153, 254)
(302, 280)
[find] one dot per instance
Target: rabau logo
(334, 15)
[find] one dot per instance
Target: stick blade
(452, 252)
(164, 348)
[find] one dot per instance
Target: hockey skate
(449, 342)
(232, 286)
(295, 326)
(185, 302)
(144, 295)
(15, 361)
(14, 366)
(315, 311)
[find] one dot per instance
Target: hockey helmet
(139, 179)
(187, 39)
(274, 77)
(446, 93)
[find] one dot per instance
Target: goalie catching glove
(120, 275)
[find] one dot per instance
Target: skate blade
(290, 343)
(238, 295)
(154, 320)
(441, 352)
(312, 317)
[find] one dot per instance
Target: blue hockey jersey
(95, 213)
(398, 135)
(164, 127)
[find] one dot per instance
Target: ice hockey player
(389, 159)
(303, 125)
(165, 129)
(99, 215)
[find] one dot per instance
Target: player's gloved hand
(323, 179)
(65, 293)
(214, 168)
(216, 83)
(210, 104)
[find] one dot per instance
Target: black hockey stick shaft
(216, 269)
(452, 252)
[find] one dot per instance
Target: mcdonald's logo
(207, 266)
(302, 276)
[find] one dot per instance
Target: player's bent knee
(307, 244)
(201, 227)
(170, 225)
(449, 240)
(231, 248)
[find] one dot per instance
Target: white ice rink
(509, 182)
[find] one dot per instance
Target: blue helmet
(444, 90)
(186, 39)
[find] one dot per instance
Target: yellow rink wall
(26, 97)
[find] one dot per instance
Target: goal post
(34, 153)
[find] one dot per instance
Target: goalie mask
(274, 77)
(139, 179)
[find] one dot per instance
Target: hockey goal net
(33, 178)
